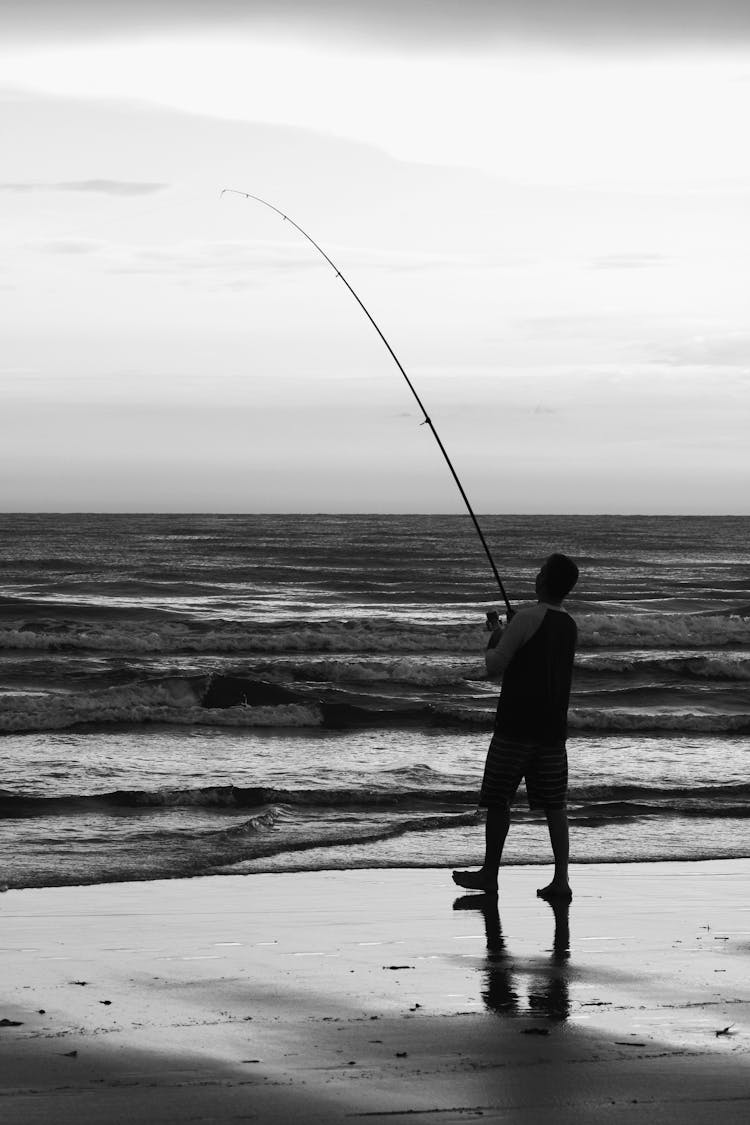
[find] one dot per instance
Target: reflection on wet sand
(546, 981)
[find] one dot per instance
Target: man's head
(557, 578)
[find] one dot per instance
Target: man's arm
(501, 649)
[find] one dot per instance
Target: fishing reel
(493, 622)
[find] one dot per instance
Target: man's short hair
(561, 575)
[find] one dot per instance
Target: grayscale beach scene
(374, 562)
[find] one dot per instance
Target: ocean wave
(339, 637)
(122, 639)
(659, 630)
(243, 702)
(446, 682)
(232, 798)
(342, 841)
(423, 670)
(608, 719)
(430, 671)
(732, 791)
(178, 702)
(168, 701)
(373, 794)
(619, 719)
(225, 796)
(335, 834)
(734, 666)
(161, 632)
(606, 812)
(284, 715)
(172, 701)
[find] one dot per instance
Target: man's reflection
(547, 992)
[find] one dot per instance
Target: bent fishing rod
(427, 420)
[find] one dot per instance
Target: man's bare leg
(495, 831)
(557, 823)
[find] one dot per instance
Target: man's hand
(494, 628)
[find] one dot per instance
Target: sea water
(349, 715)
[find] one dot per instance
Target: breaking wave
(379, 635)
(611, 800)
(234, 701)
(620, 720)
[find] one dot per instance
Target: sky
(544, 206)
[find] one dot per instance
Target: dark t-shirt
(533, 705)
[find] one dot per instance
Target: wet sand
(380, 995)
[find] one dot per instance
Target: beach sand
(380, 995)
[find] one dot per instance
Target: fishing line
(427, 420)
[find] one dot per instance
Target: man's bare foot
(475, 881)
(559, 891)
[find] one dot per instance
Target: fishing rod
(427, 420)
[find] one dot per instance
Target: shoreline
(264, 866)
(380, 993)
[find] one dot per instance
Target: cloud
(97, 187)
(731, 349)
(228, 257)
(68, 246)
(413, 23)
(629, 261)
(571, 327)
(222, 257)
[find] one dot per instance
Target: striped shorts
(545, 769)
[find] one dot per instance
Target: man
(534, 656)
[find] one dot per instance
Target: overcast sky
(545, 206)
